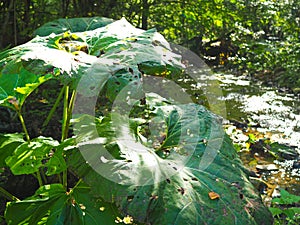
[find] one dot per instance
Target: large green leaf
(15, 87)
(28, 157)
(8, 144)
(51, 204)
(111, 57)
(127, 52)
(73, 25)
(194, 177)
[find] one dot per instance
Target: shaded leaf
(173, 188)
(17, 86)
(51, 204)
(73, 25)
(8, 143)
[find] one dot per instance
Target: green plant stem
(70, 109)
(23, 125)
(59, 178)
(43, 176)
(8, 195)
(78, 182)
(65, 178)
(38, 175)
(65, 114)
(50, 115)
(39, 178)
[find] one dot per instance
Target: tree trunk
(65, 7)
(145, 14)
(5, 23)
(15, 24)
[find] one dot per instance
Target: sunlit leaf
(28, 157)
(286, 198)
(114, 55)
(18, 86)
(8, 143)
(73, 25)
(182, 192)
(53, 205)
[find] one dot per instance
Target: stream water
(264, 107)
(272, 116)
(264, 124)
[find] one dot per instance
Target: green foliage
(8, 143)
(182, 196)
(51, 204)
(72, 25)
(228, 32)
(28, 158)
(273, 61)
(17, 85)
(268, 47)
(192, 174)
(68, 56)
(284, 206)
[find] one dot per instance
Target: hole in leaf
(181, 190)
(129, 198)
(241, 196)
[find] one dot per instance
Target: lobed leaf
(113, 56)
(28, 157)
(8, 144)
(73, 25)
(176, 187)
(51, 204)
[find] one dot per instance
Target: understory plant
(125, 154)
(286, 208)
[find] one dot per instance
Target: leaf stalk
(23, 125)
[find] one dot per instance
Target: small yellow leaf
(247, 145)
(213, 195)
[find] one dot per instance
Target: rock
(296, 164)
(269, 167)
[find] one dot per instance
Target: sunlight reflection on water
(270, 110)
